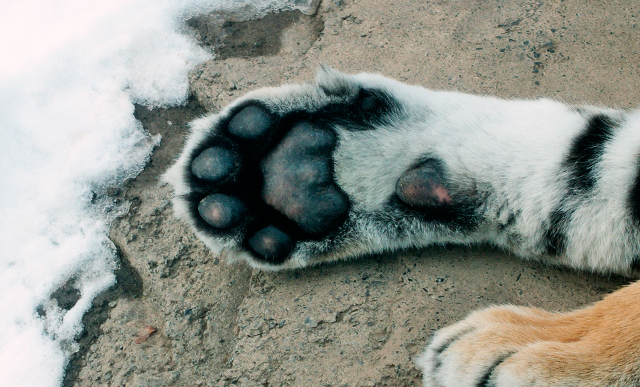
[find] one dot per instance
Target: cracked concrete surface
(355, 323)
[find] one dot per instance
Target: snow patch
(70, 74)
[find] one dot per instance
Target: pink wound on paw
(442, 194)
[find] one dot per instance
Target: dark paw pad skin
(221, 211)
(423, 186)
(268, 177)
(298, 180)
(215, 164)
(272, 244)
(251, 123)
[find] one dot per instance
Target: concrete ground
(358, 323)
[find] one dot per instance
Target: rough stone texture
(357, 323)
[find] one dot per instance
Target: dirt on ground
(179, 316)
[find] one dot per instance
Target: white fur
(507, 151)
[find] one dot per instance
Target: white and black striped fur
(536, 177)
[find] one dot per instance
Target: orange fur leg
(511, 346)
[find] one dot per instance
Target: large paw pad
(299, 180)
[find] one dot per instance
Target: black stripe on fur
(634, 197)
(586, 151)
(580, 165)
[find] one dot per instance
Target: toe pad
(214, 164)
(221, 211)
(271, 243)
(251, 123)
